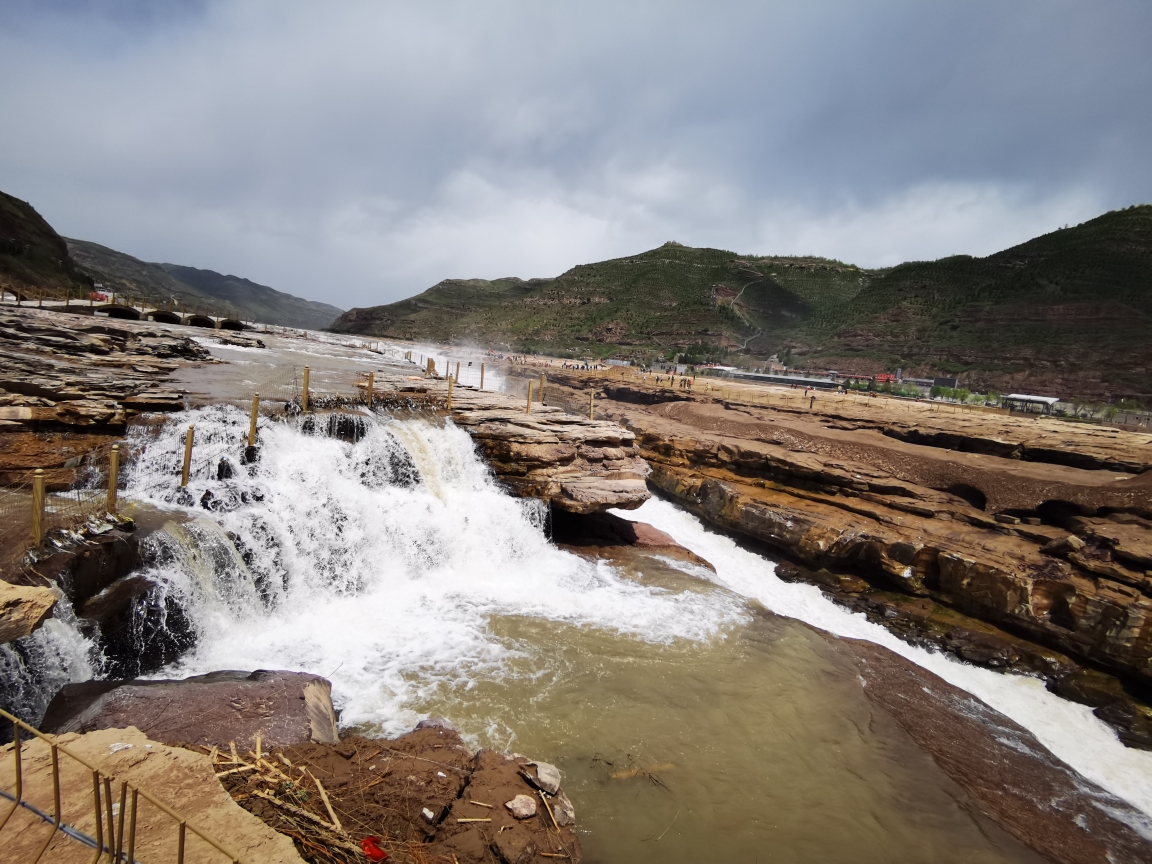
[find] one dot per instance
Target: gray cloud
(359, 152)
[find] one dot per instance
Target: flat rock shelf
(575, 464)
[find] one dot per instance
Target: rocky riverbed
(271, 741)
(1018, 543)
(576, 464)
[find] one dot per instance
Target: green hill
(161, 282)
(1066, 313)
(32, 255)
(1072, 308)
(673, 296)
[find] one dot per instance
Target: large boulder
(23, 609)
(284, 708)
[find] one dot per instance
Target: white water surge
(1069, 730)
(383, 584)
(380, 565)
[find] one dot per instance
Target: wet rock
(576, 464)
(1088, 687)
(346, 427)
(284, 707)
(1132, 722)
(981, 648)
(522, 806)
(23, 609)
(436, 723)
(563, 810)
(224, 470)
(224, 500)
(598, 534)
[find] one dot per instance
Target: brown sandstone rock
(180, 778)
(853, 499)
(284, 708)
(576, 464)
(23, 609)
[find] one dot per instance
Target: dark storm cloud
(360, 152)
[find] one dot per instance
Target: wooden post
(187, 456)
(457, 370)
(371, 382)
(304, 396)
(449, 392)
(529, 411)
(481, 376)
(541, 388)
(252, 420)
(38, 509)
(113, 477)
(592, 406)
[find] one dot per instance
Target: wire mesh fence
(46, 784)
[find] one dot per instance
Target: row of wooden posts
(40, 497)
(430, 369)
(39, 488)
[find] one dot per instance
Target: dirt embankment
(1015, 542)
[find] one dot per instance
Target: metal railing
(115, 823)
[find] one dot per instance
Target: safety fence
(161, 457)
(63, 805)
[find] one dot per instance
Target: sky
(359, 152)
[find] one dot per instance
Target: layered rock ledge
(77, 371)
(575, 464)
(1020, 538)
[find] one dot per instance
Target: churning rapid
(671, 698)
(379, 564)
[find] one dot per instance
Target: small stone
(428, 815)
(436, 723)
(563, 810)
(522, 806)
(547, 777)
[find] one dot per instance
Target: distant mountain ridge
(161, 282)
(1068, 313)
(33, 256)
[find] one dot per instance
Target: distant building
(952, 383)
(1030, 404)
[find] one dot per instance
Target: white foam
(1068, 730)
(388, 590)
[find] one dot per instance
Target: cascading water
(380, 563)
(34, 668)
(398, 569)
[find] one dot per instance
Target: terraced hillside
(1067, 313)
